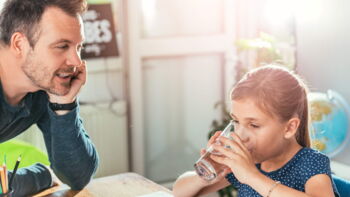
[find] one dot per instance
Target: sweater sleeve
(31, 180)
(72, 155)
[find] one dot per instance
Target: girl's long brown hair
(280, 93)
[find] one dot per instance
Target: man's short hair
(24, 16)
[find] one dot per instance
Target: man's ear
(19, 43)
(292, 127)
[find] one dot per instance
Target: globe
(330, 115)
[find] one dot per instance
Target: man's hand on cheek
(77, 82)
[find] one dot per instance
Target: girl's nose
(243, 133)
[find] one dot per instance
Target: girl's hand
(237, 157)
(225, 170)
(213, 138)
(220, 176)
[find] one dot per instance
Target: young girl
(270, 153)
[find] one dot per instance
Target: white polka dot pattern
(295, 173)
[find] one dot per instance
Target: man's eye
(62, 46)
(235, 121)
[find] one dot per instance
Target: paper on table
(157, 194)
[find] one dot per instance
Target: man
(41, 73)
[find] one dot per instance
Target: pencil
(3, 180)
(6, 179)
(5, 188)
(0, 185)
(14, 171)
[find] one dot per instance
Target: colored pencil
(3, 182)
(5, 189)
(14, 171)
(0, 186)
(6, 179)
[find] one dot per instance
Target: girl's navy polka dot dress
(305, 164)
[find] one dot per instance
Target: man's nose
(74, 59)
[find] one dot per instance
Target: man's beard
(41, 77)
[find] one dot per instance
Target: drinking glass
(207, 168)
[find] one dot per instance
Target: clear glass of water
(207, 168)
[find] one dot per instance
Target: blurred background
(160, 72)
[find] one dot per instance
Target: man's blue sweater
(71, 153)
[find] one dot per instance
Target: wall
(105, 75)
(105, 81)
(323, 47)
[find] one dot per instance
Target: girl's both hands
(236, 157)
(213, 139)
(220, 176)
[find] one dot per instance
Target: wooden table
(121, 185)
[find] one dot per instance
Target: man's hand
(77, 82)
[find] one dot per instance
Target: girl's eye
(235, 121)
(254, 126)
